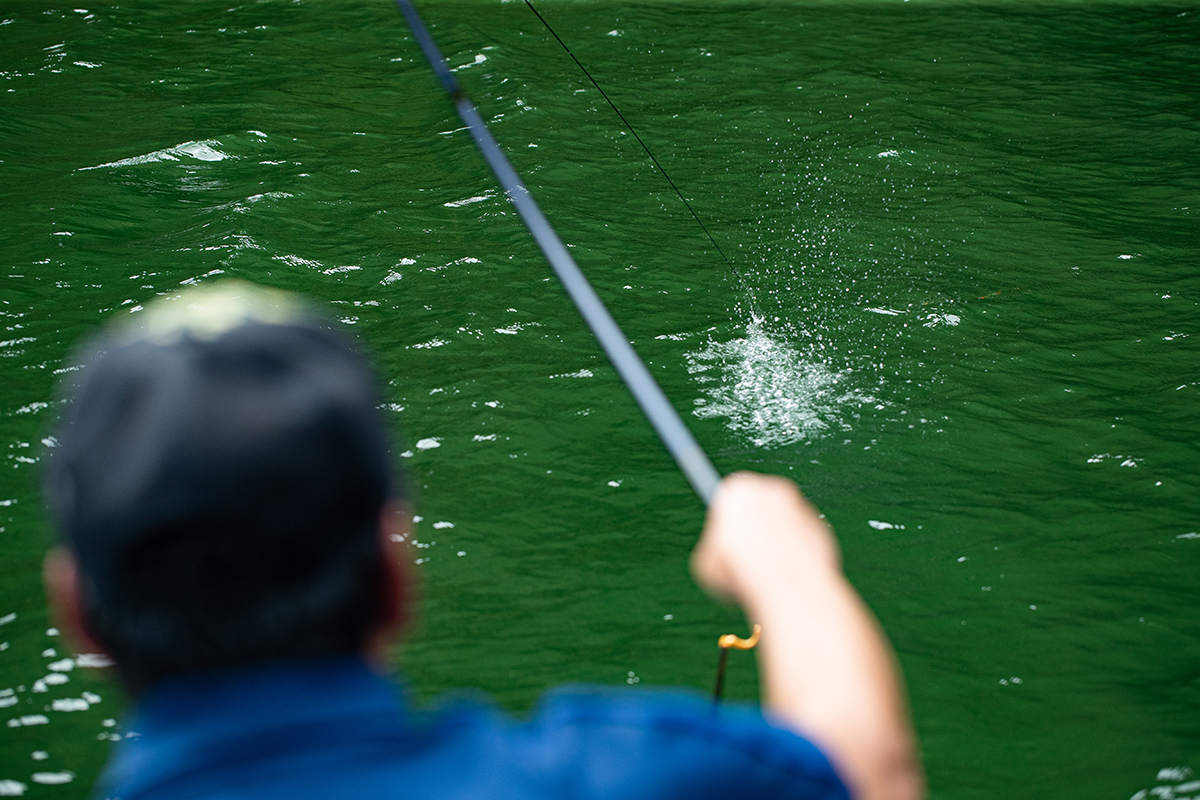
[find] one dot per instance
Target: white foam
(297, 261)
(515, 328)
(200, 151)
(466, 201)
(479, 59)
(32, 408)
(933, 320)
(771, 391)
(70, 704)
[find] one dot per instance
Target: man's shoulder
(246, 736)
(589, 741)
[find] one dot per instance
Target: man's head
(220, 479)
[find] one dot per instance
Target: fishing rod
(692, 461)
(734, 270)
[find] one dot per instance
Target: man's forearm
(827, 671)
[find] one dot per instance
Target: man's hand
(757, 525)
(827, 669)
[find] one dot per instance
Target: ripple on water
(53, 778)
(207, 150)
(1175, 783)
(772, 392)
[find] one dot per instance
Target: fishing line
(736, 274)
(649, 395)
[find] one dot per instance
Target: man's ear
(60, 575)
(399, 589)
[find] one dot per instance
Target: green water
(969, 231)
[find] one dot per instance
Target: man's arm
(827, 669)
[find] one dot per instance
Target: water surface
(964, 318)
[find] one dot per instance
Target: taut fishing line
(649, 395)
(736, 274)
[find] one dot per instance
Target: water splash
(772, 392)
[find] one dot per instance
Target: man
(232, 536)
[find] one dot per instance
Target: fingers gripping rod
(662, 415)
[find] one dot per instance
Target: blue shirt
(335, 729)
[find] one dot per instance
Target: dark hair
(221, 493)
